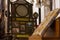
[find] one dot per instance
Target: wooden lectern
(47, 32)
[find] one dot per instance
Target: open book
(41, 29)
